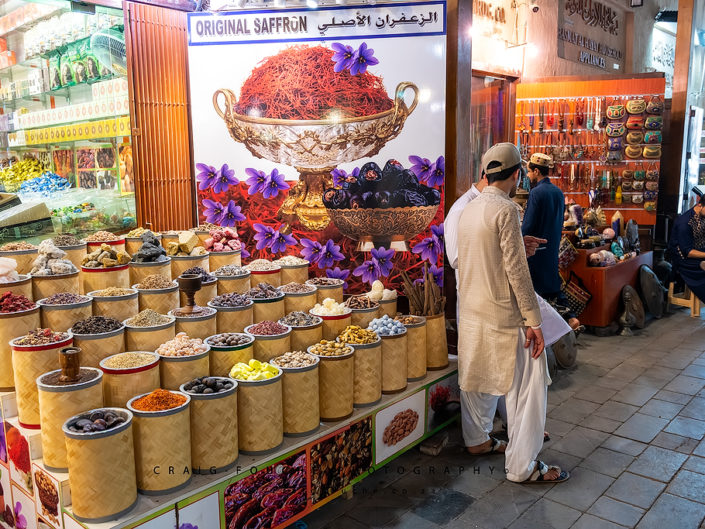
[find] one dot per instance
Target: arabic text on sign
(594, 13)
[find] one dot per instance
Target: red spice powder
(19, 454)
(299, 83)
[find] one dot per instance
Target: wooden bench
(685, 299)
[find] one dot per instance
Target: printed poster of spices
(270, 497)
(443, 401)
(18, 453)
(328, 148)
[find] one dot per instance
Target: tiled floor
(628, 422)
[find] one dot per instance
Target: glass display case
(65, 153)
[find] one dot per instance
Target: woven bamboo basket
(118, 307)
(303, 301)
(294, 273)
(303, 337)
(12, 325)
(118, 245)
(213, 430)
(162, 441)
(363, 317)
(273, 277)
(100, 278)
(394, 363)
(160, 300)
(267, 347)
(183, 263)
(56, 405)
(111, 493)
(120, 385)
(75, 253)
(208, 291)
(335, 382)
(96, 347)
(24, 259)
(388, 307)
(328, 291)
(269, 309)
(237, 284)
(138, 271)
(45, 286)
(260, 416)
(300, 399)
(177, 370)
(168, 237)
(133, 244)
(61, 318)
(29, 362)
(436, 342)
(416, 349)
(218, 259)
(224, 357)
(202, 236)
(334, 325)
(148, 338)
(21, 287)
(201, 326)
(367, 382)
(233, 319)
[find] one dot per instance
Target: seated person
(686, 248)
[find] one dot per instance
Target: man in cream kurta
(500, 346)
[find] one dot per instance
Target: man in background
(544, 219)
(686, 248)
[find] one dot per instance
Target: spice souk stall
(245, 372)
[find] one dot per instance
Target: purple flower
(421, 167)
(311, 251)
(430, 249)
(224, 179)
(337, 273)
(257, 181)
(232, 214)
(330, 253)
(362, 59)
(383, 258)
(437, 274)
(275, 183)
(438, 172)
(369, 270)
(20, 520)
(339, 176)
(343, 57)
(437, 232)
(207, 175)
(188, 526)
(264, 235)
(244, 254)
(281, 241)
(213, 211)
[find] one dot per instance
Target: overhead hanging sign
(320, 133)
(592, 33)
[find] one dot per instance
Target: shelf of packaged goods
(112, 127)
(60, 8)
(65, 92)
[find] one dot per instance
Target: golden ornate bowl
(388, 227)
(314, 147)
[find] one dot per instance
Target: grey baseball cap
(506, 154)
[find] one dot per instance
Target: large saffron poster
(321, 133)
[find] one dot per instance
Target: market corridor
(628, 422)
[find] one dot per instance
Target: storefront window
(65, 154)
(488, 122)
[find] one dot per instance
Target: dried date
(87, 180)
(106, 158)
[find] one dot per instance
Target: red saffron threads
(299, 83)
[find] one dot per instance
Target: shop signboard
(592, 33)
(498, 32)
(321, 133)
